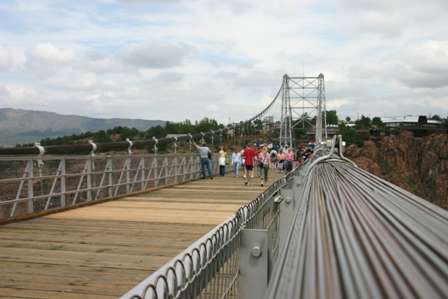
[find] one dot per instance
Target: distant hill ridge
(24, 126)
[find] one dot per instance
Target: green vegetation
(332, 117)
(366, 123)
(363, 123)
(121, 133)
(299, 133)
(350, 135)
(377, 122)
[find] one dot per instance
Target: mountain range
(26, 126)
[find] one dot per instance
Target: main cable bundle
(355, 235)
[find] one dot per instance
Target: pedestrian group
(250, 162)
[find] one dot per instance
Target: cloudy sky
(178, 59)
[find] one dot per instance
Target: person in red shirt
(249, 155)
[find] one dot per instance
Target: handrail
(213, 245)
(84, 148)
(52, 183)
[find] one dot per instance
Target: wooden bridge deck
(103, 250)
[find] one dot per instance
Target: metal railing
(209, 268)
(35, 184)
(153, 144)
(42, 178)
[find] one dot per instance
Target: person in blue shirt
(204, 153)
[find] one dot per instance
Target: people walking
(281, 157)
(273, 154)
(256, 162)
(264, 162)
(249, 155)
(222, 161)
(204, 154)
(289, 160)
(236, 162)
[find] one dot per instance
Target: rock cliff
(416, 164)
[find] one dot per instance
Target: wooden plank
(30, 292)
(91, 272)
(103, 250)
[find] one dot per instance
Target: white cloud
(191, 59)
(155, 54)
(48, 53)
(18, 95)
(11, 58)
(44, 60)
(170, 76)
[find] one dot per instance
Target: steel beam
(253, 263)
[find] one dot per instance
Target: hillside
(417, 164)
(24, 126)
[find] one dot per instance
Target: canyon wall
(416, 164)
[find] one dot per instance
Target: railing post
(176, 170)
(110, 176)
(39, 164)
(254, 259)
(156, 170)
(30, 186)
(174, 161)
(202, 138)
(63, 185)
(89, 179)
(90, 169)
(167, 168)
(142, 174)
(128, 173)
(190, 141)
(155, 148)
(175, 145)
(128, 165)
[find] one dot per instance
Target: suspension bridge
(111, 220)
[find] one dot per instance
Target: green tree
(258, 124)
(206, 125)
(299, 133)
(332, 117)
(100, 136)
(363, 123)
(376, 121)
(158, 132)
(436, 117)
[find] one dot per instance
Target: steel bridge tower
(302, 99)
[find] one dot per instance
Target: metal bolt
(256, 251)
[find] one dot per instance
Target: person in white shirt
(222, 161)
(236, 162)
